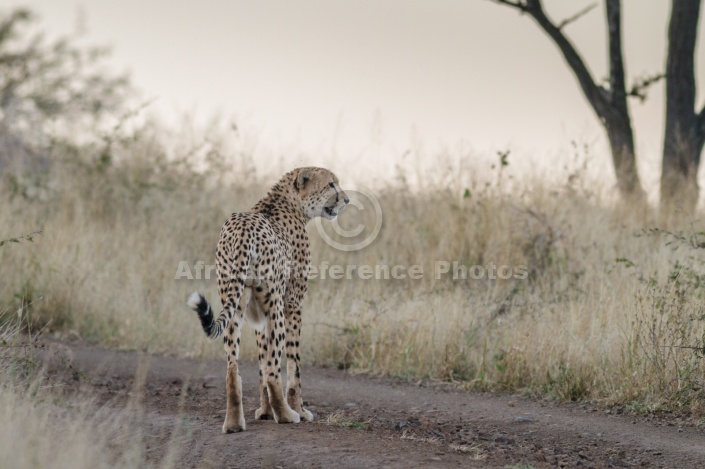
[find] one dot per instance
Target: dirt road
(363, 421)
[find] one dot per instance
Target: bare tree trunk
(685, 129)
(621, 139)
(616, 117)
(610, 105)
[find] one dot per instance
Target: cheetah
(262, 259)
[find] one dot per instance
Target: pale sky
(465, 73)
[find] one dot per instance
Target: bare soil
(363, 421)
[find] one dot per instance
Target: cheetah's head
(319, 193)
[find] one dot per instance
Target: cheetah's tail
(199, 304)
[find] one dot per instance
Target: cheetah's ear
(301, 180)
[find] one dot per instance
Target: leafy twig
(640, 86)
(29, 237)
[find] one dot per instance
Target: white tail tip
(194, 300)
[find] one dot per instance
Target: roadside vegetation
(42, 427)
(610, 307)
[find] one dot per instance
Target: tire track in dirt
(364, 421)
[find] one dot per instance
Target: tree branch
(596, 95)
(519, 5)
(638, 89)
(576, 16)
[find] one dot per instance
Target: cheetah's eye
(332, 184)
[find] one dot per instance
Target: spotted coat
(263, 257)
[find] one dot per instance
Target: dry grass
(408, 435)
(40, 428)
(603, 312)
(346, 420)
(475, 453)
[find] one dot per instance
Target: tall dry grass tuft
(42, 428)
(603, 310)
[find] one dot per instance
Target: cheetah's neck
(282, 211)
